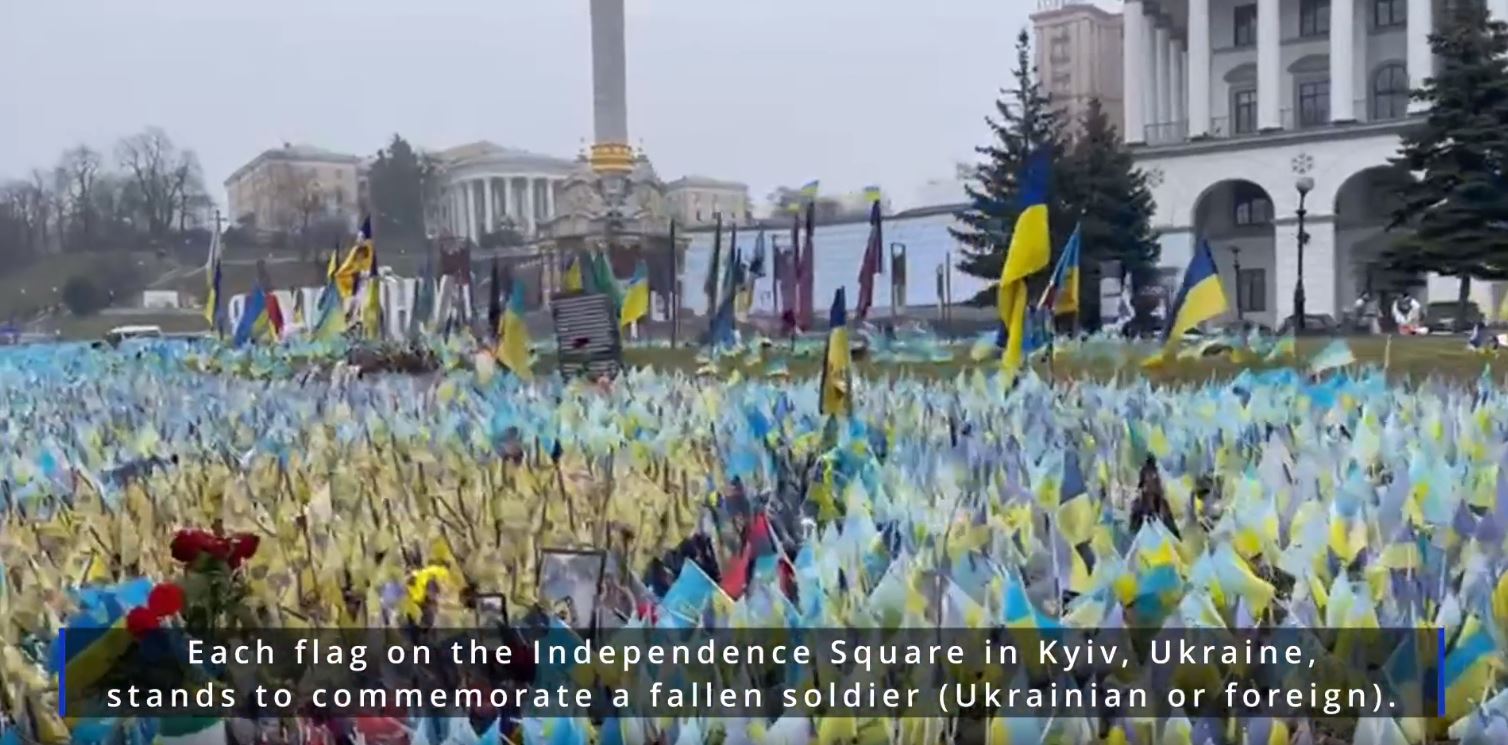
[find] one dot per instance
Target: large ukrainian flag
(358, 263)
(1200, 299)
(838, 360)
(513, 335)
(1062, 295)
(1030, 250)
(636, 299)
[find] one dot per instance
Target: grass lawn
(40, 283)
(1409, 358)
(93, 328)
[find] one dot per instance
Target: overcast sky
(768, 92)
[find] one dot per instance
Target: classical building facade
(1078, 50)
(280, 187)
(1241, 111)
(696, 200)
(486, 187)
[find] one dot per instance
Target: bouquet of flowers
(214, 587)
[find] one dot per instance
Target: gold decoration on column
(612, 157)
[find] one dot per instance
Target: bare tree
(295, 198)
(77, 173)
(164, 178)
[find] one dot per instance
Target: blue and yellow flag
(1030, 250)
(636, 298)
(254, 323)
(1062, 294)
(1200, 299)
(809, 190)
(359, 262)
(513, 335)
(332, 315)
(836, 363)
(570, 281)
(212, 273)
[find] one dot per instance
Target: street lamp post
(1304, 185)
(1235, 252)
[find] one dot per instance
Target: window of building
(1314, 103)
(1390, 92)
(1252, 207)
(1314, 17)
(1388, 13)
(1243, 107)
(1245, 25)
(1253, 286)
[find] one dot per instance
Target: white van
(122, 333)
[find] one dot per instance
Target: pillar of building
(550, 198)
(1342, 65)
(1133, 53)
(1269, 66)
(1197, 68)
(1420, 60)
(529, 204)
(508, 211)
(458, 209)
(1149, 69)
(1178, 87)
(471, 210)
(487, 199)
(1161, 76)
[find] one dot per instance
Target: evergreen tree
(397, 193)
(1024, 121)
(1456, 211)
(1115, 209)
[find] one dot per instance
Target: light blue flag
(688, 596)
(1336, 354)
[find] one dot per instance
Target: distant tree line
(145, 194)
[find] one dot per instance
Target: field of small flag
(1296, 478)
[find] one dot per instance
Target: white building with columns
(486, 186)
(1231, 105)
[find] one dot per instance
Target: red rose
(188, 544)
(165, 599)
(141, 621)
(242, 547)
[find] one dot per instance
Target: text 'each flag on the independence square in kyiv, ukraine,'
(636, 297)
(358, 262)
(1029, 252)
(1062, 294)
(513, 335)
(836, 364)
(1199, 299)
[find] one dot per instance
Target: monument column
(550, 198)
(610, 151)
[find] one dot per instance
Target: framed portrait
(570, 581)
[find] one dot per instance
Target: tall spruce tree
(1456, 212)
(1024, 121)
(397, 193)
(1115, 209)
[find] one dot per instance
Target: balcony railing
(1167, 133)
(1226, 127)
